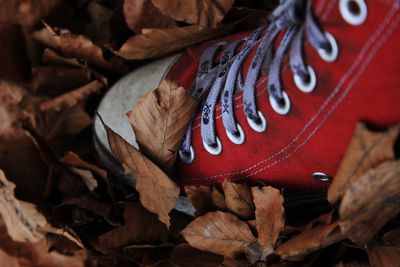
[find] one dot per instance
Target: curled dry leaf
(370, 202)
(74, 161)
(81, 48)
(71, 98)
(187, 256)
(270, 219)
(160, 120)
(200, 197)
(158, 193)
(21, 219)
(238, 199)
(158, 42)
(55, 80)
(366, 150)
(141, 227)
(141, 14)
(207, 13)
(219, 232)
(387, 252)
(307, 242)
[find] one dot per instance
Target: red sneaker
(334, 64)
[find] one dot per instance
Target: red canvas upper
(361, 85)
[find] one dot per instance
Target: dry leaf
(207, 13)
(71, 98)
(7, 260)
(160, 120)
(219, 232)
(141, 14)
(27, 13)
(158, 193)
(140, 226)
(255, 252)
(187, 256)
(200, 197)
(270, 219)
(158, 42)
(352, 264)
(370, 202)
(384, 256)
(81, 48)
(14, 59)
(55, 80)
(307, 242)
(22, 219)
(366, 150)
(386, 253)
(218, 199)
(238, 199)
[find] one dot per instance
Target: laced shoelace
(220, 83)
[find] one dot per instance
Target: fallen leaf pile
(59, 206)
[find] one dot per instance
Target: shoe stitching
(361, 55)
(341, 98)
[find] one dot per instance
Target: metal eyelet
(186, 157)
(308, 86)
(320, 176)
(333, 53)
(236, 138)
(213, 149)
(281, 108)
(260, 125)
(353, 12)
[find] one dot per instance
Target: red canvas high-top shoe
(281, 103)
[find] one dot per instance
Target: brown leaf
(55, 80)
(187, 256)
(270, 219)
(219, 232)
(81, 48)
(157, 42)
(370, 202)
(218, 199)
(7, 260)
(207, 13)
(235, 263)
(10, 97)
(366, 150)
(14, 59)
(200, 197)
(27, 13)
(160, 120)
(141, 14)
(256, 252)
(64, 211)
(158, 193)
(71, 98)
(386, 252)
(21, 219)
(352, 264)
(307, 242)
(140, 226)
(238, 199)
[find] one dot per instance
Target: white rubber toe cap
(123, 95)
